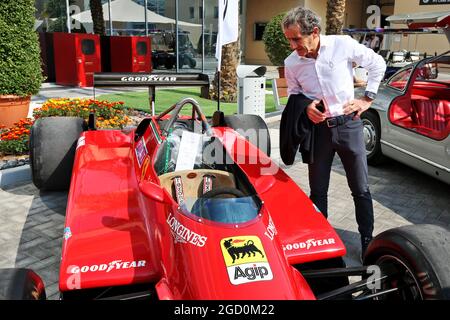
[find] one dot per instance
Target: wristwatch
(370, 95)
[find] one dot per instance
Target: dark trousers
(347, 140)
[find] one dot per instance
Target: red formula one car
(182, 207)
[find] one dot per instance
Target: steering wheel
(218, 192)
(176, 111)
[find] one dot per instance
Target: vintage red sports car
(185, 207)
(409, 121)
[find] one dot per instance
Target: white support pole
(203, 36)
(68, 16)
(146, 18)
(110, 18)
(177, 51)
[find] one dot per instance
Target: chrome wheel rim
(408, 287)
(370, 136)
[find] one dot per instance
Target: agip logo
(245, 259)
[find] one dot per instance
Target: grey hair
(306, 19)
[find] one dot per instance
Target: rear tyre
(372, 135)
(246, 124)
(21, 284)
(418, 257)
(52, 151)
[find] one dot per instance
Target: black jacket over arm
(296, 130)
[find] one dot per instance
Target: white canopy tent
(129, 11)
(124, 11)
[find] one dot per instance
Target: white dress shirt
(330, 77)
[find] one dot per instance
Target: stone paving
(32, 222)
(401, 196)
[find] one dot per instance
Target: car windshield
(400, 80)
(225, 210)
(435, 70)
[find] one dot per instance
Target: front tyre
(53, 142)
(372, 135)
(417, 258)
(21, 284)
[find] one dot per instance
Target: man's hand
(314, 114)
(358, 105)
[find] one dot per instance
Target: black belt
(337, 121)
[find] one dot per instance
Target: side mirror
(433, 70)
(264, 183)
(428, 71)
(152, 191)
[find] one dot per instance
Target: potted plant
(20, 65)
(275, 43)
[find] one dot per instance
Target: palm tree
(335, 16)
(231, 59)
(228, 75)
(55, 9)
(97, 17)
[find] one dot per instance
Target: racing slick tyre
(52, 150)
(245, 124)
(416, 260)
(372, 135)
(21, 284)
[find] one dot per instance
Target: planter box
(13, 108)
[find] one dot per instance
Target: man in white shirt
(320, 67)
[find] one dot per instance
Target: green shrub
(275, 43)
(20, 65)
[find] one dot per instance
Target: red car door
(141, 54)
(88, 58)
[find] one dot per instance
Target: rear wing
(402, 31)
(422, 19)
(150, 80)
(438, 20)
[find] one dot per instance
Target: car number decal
(245, 259)
(141, 151)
